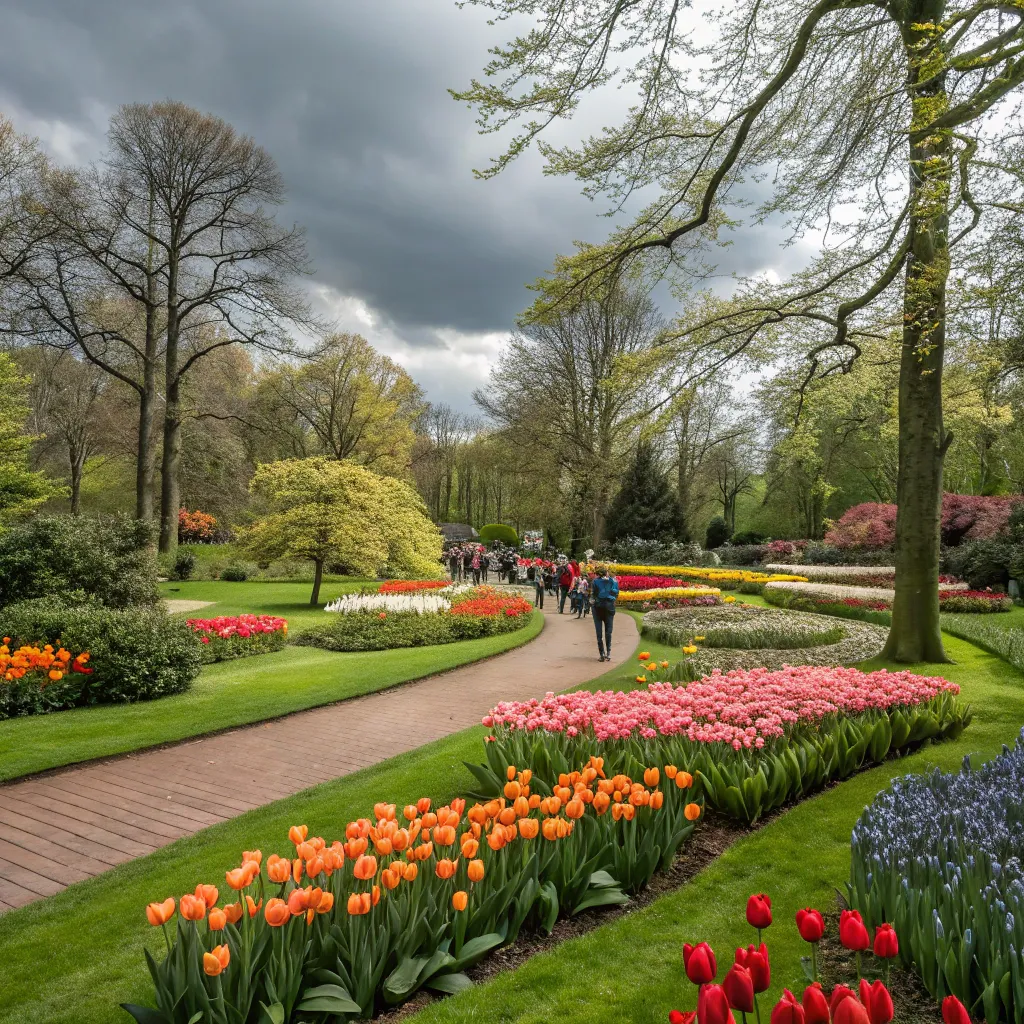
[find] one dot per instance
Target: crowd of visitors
(558, 576)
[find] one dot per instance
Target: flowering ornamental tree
(886, 123)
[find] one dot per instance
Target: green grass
(83, 947)
(233, 693)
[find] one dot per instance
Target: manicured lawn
(83, 947)
(234, 692)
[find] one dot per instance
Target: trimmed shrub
(717, 533)
(982, 563)
(134, 653)
(184, 565)
(817, 553)
(499, 532)
(237, 572)
(744, 554)
(381, 631)
(747, 537)
(110, 559)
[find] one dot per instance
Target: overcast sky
(350, 98)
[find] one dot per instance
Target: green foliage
(367, 631)
(717, 533)
(109, 559)
(184, 564)
(344, 516)
(747, 537)
(646, 506)
(984, 563)
(135, 653)
(500, 532)
(21, 489)
(236, 572)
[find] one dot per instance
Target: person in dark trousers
(534, 574)
(454, 563)
(547, 579)
(603, 592)
(565, 581)
(467, 564)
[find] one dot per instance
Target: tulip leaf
(601, 898)
(404, 978)
(479, 947)
(488, 783)
(272, 1014)
(602, 880)
(143, 1014)
(450, 984)
(328, 999)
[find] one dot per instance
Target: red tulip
(810, 924)
(787, 1010)
(877, 1002)
(839, 993)
(816, 1009)
(756, 961)
(852, 933)
(954, 1012)
(886, 944)
(713, 1006)
(679, 1017)
(739, 988)
(759, 911)
(699, 961)
(850, 1011)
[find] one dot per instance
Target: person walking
(536, 576)
(565, 581)
(603, 592)
(467, 563)
(582, 591)
(454, 563)
(474, 561)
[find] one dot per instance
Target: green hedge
(367, 631)
(499, 531)
(135, 654)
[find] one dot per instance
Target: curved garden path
(65, 826)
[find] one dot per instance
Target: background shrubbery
(135, 653)
(368, 631)
(108, 559)
(499, 531)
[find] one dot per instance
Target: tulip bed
(238, 636)
(410, 899)
(754, 739)
(725, 579)
(942, 856)
(834, 599)
(34, 679)
(669, 597)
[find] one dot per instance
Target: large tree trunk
(318, 576)
(145, 465)
(77, 461)
(170, 489)
(915, 634)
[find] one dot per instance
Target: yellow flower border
(697, 572)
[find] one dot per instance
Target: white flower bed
(824, 573)
(835, 591)
(424, 602)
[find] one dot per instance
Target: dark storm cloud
(350, 98)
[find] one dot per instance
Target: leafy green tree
(21, 489)
(899, 112)
(646, 506)
(344, 516)
(717, 534)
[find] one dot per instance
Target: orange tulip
(160, 913)
(606, 786)
(469, 845)
(510, 772)
(444, 835)
(233, 912)
(314, 867)
(492, 807)
(460, 900)
(355, 847)
(458, 805)
(507, 815)
(277, 913)
(617, 811)
(364, 868)
(628, 811)
(217, 919)
(384, 811)
(208, 894)
(297, 868)
(409, 871)
(384, 847)
(429, 820)
(639, 798)
(496, 840)
(521, 807)
(216, 961)
(692, 812)
(423, 804)
(424, 850)
(445, 868)
(305, 851)
(254, 855)
(671, 771)
(575, 809)
(278, 869)
(400, 840)
(652, 777)
(657, 799)
(238, 878)
(358, 829)
(326, 904)
(476, 871)
(550, 828)
(253, 906)
(477, 814)
(512, 790)
(359, 903)
(684, 780)
(525, 776)
(409, 812)
(192, 908)
(297, 833)
(601, 802)
(297, 902)
(391, 876)
(534, 801)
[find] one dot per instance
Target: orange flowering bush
(489, 601)
(28, 671)
(195, 527)
(411, 897)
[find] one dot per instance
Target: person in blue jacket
(603, 592)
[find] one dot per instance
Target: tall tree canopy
(881, 123)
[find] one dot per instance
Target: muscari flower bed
(754, 739)
(940, 856)
(411, 898)
(238, 636)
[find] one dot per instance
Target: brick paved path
(62, 827)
